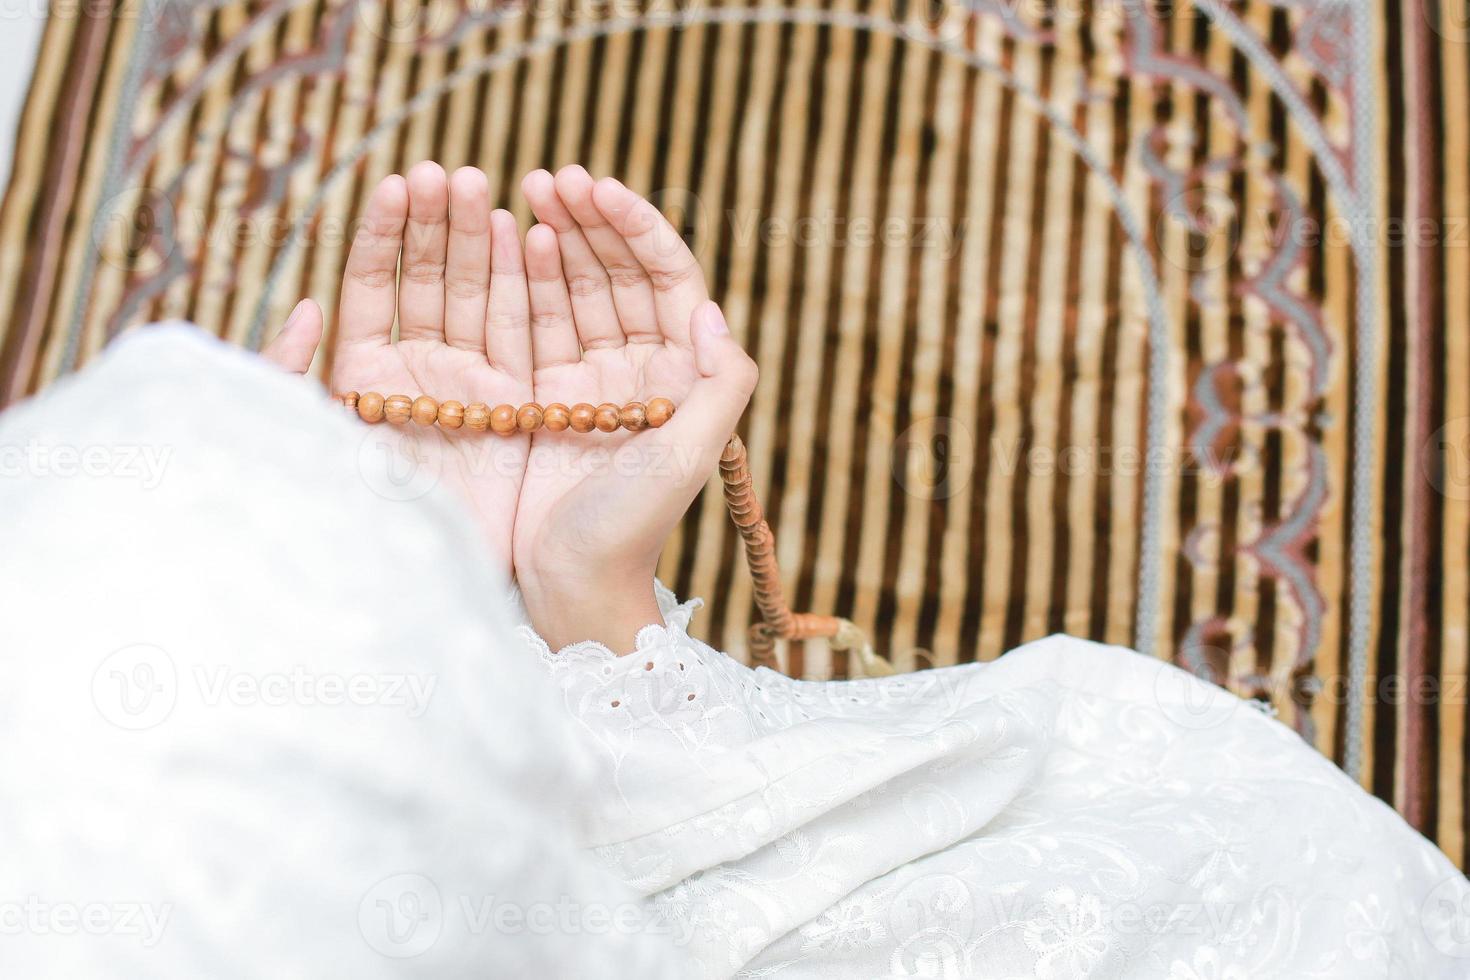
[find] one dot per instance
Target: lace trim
(674, 629)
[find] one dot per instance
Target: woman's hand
(463, 314)
(620, 313)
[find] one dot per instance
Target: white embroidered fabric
(1071, 810)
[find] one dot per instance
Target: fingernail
(714, 321)
(295, 314)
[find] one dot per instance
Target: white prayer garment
(259, 718)
(1070, 810)
(263, 714)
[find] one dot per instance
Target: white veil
(259, 714)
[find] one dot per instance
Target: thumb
(294, 347)
(727, 376)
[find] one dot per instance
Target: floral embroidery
(1041, 817)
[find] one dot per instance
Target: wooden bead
(477, 416)
(451, 415)
(659, 411)
(507, 419)
(528, 419)
(398, 409)
(425, 410)
(584, 417)
(634, 416)
(607, 417)
(503, 419)
(370, 407)
(350, 400)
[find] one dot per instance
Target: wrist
(609, 606)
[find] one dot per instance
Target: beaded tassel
(508, 419)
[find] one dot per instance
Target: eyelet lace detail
(589, 653)
(836, 828)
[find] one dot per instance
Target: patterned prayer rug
(1142, 321)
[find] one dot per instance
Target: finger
(727, 376)
(591, 291)
(421, 286)
(467, 261)
(370, 281)
(553, 330)
(673, 272)
(631, 291)
(294, 347)
(508, 322)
